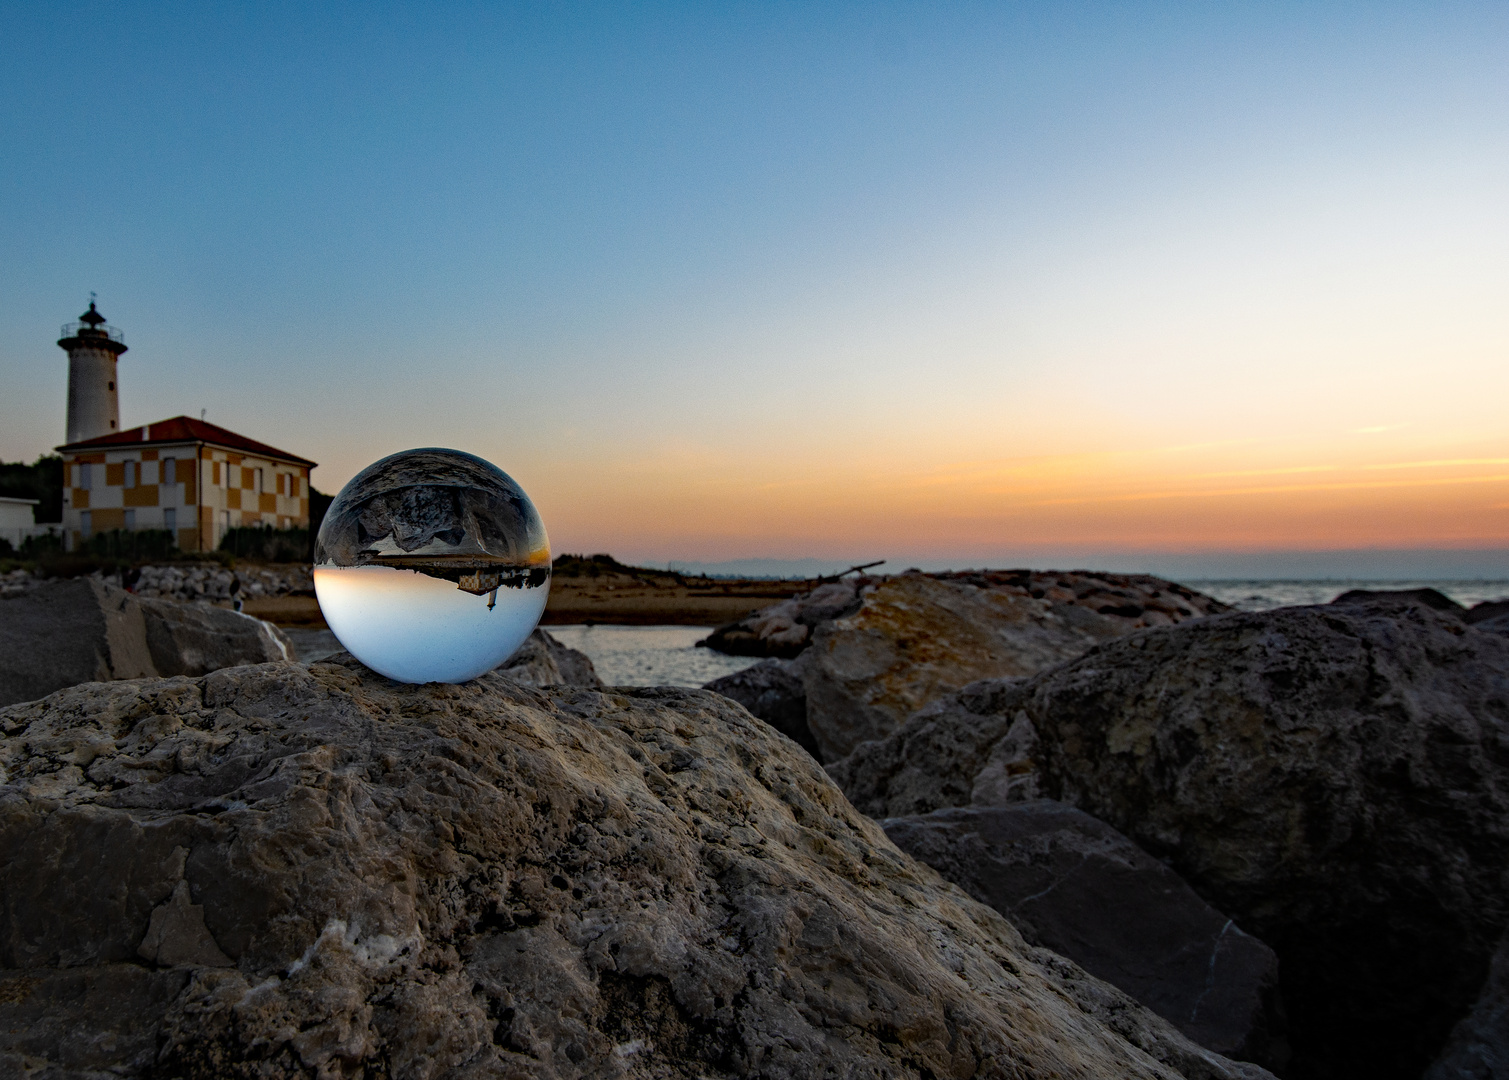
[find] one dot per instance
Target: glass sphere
(432, 566)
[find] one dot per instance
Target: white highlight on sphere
(416, 628)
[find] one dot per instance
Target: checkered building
(192, 478)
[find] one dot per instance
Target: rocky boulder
(1132, 601)
(772, 690)
(80, 630)
(1490, 615)
(292, 870)
(1479, 1045)
(1335, 778)
(1431, 598)
(1080, 888)
(785, 629)
(917, 637)
(195, 639)
(544, 661)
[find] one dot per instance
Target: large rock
(544, 661)
(785, 629)
(773, 691)
(1431, 598)
(79, 630)
(294, 870)
(917, 638)
(1131, 601)
(1490, 615)
(1080, 888)
(195, 639)
(1479, 1045)
(1336, 778)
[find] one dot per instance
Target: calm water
(622, 655)
(1262, 595)
(649, 655)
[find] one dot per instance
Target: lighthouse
(93, 346)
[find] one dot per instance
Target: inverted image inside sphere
(419, 628)
(432, 566)
(444, 509)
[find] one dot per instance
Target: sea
(668, 655)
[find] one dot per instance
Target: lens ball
(432, 566)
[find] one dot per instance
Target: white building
(16, 519)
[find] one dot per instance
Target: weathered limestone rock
(82, 630)
(1479, 1045)
(292, 870)
(785, 629)
(773, 691)
(1131, 601)
(1080, 888)
(544, 661)
(65, 632)
(1431, 598)
(195, 639)
(917, 638)
(1490, 615)
(1335, 778)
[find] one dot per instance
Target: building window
(84, 476)
(86, 523)
(169, 470)
(259, 481)
(170, 521)
(132, 474)
(130, 519)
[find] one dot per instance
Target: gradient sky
(945, 283)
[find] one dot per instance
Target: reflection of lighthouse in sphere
(432, 566)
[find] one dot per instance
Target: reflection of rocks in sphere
(432, 566)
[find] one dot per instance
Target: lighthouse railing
(75, 329)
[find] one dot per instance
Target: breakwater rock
(289, 870)
(1336, 778)
(544, 661)
(79, 630)
(1134, 600)
(870, 653)
(1074, 884)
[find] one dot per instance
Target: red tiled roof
(182, 429)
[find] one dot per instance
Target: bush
(35, 547)
(130, 545)
(267, 544)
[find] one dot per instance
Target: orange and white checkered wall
(196, 491)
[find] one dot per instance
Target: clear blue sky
(788, 280)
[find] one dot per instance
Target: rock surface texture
(290, 870)
(544, 661)
(785, 629)
(1137, 600)
(81, 630)
(1479, 1045)
(918, 637)
(773, 691)
(1332, 777)
(1077, 886)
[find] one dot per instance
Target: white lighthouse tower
(93, 346)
